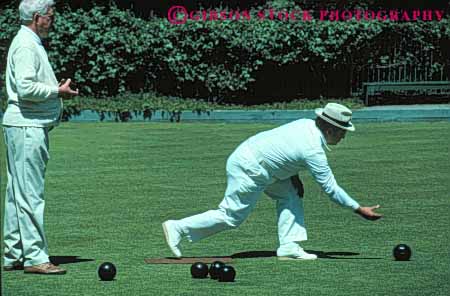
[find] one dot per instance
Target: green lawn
(109, 187)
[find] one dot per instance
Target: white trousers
(27, 157)
(246, 181)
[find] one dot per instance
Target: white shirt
(286, 149)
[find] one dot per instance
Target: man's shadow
(57, 260)
(320, 254)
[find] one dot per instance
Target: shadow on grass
(254, 254)
(320, 254)
(339, 255)
(57, 260)
(210, 257)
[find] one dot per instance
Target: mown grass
(109, 186)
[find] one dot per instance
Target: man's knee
(233, 219)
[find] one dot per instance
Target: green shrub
(9, 25)
(110, 52)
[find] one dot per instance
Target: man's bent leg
(238, 202)
(290, 214)
(291, 226)
(240, 198)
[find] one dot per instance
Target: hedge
(122, 107)
(110, 52)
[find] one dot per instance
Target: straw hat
(337, 115)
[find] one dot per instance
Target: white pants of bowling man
(246, 181)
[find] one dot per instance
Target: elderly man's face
(335, 136)
(45, 22)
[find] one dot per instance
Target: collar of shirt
(322, 138)
(33, 35)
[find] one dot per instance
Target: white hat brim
(319, 112)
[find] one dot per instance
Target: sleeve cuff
(355, 205)
(54, 92)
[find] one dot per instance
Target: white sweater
(286, 149)
(31, 84)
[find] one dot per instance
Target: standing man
(34, 107)
(269, 162)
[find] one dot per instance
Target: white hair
(28, 8)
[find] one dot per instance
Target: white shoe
(173, 237)
(294, 253)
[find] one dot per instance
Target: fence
(426, 71)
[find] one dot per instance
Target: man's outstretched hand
(65, 90)
(368, 212)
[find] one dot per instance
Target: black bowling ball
(107, 271)
(402, 252)
(199, 270)
(214, 269)
(227, 274)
